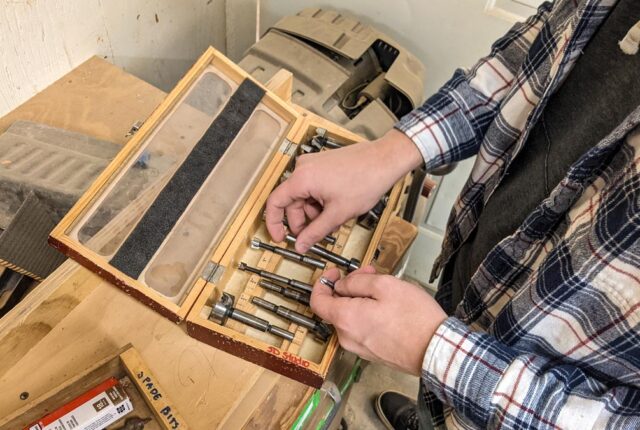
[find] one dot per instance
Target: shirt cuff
(463, 368)
(419, 130)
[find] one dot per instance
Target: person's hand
(331, 187)
(379, 317)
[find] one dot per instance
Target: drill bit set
(320, 141)
(296, 291)
(292, 289)
(262, 296)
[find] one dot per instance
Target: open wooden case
(149, 401)
(173, 215)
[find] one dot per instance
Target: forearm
(493, 385)
(399, 154)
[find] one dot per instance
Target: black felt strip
(137, 250)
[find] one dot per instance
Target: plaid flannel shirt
(548, 332)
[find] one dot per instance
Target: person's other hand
(331, 187)
(379, 317)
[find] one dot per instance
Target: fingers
(296, 216)
(282, 197)
(299, 211)
(332, 274)
(364, 270)
(326, 222)
(363, 282)
(312, 209)
(323, 302)
(360, 283)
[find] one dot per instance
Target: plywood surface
(204, 382)
(74, 319)
(397, 237)
(100, 100)
(96, 98)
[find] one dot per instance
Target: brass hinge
(288, 147)
(212, 272)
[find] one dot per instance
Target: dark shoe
(397, 411)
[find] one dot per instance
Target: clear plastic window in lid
(165, 210)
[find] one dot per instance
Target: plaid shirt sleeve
(494, 386)
(451, 124)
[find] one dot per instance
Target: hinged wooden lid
(155, 217)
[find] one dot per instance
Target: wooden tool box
(173, 215)
(149, 401)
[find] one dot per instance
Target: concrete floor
(359, 413)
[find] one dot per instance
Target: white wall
(157, 40)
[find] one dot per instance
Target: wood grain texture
(34, 317)
(162, 406)
(96, 98)
(283, 81)
(120, 365)
(396, 239)
(204, 382)
(36, 407)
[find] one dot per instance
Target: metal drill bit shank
(320, 330)
(331, 240)
(288, 254)
(289, 293)
(277, 278)
(349, 265)
(224, 310)
(327, 282)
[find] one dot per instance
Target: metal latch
(134, 128)
(288, 147)
(212, 272)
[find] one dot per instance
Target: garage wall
(157, 40)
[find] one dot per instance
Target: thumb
(362, 284)
(328, 221)
(322, 299)
(364, 270)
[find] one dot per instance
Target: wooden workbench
(74, 319)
